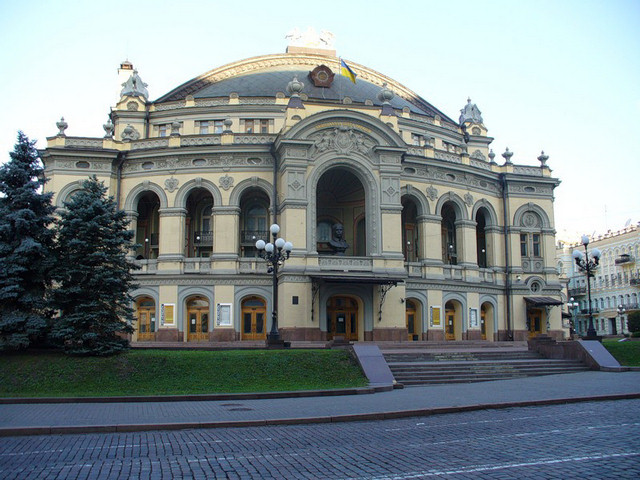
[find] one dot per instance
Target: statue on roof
(135, 87)
(470, 113)
(310, 38)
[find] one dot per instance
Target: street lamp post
(573, 308)
(621, 311)
(275, 254)
(588, 264)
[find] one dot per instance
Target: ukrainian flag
(346, 71)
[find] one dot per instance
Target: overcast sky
(559, 76)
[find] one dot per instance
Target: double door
(342, 318)
(534, 322)
(254, 315)
(198, 330)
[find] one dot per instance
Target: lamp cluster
(588, 263)
(273, 252)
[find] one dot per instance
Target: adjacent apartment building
(615, 286)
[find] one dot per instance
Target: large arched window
(254, 219)
(409, 230)
(340, 198)
(449, 244)
(148, 226)
(481, 238)
(198, 228)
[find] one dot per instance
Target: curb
(80, 429)
(201, 397)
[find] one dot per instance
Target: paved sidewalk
(52, 418)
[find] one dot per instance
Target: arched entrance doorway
(413, 325)
(254, 315)
(453, 320)
(197, 319)
(146, 319)
(342, 318)
(486, 321)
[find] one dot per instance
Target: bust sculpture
(337, 243)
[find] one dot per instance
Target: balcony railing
(203, 238)
(575, 291)
(250, 237)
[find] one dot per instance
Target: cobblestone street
(584, 440)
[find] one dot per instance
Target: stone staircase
(442, 364)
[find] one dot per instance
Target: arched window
(449, 244)
(481, 239)
(254, 221)
(531, 244)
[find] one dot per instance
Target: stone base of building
(293, 334)
(168, 335)
(222, 335)
(433, 336)
(390, 335)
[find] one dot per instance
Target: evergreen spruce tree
(93, 275)
(25, 246)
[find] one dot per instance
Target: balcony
(576, 291)
(624, 259)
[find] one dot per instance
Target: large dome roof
(268, 76)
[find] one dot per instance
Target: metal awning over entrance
(358, 279)
(541, 301)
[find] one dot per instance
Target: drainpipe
(119, 163)
(507, 256)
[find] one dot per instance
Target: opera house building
(404, 224)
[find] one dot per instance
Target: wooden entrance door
(342, 318)
(198, 320)
(450, 325)
(146, 311)
(413, 328)
(254, 319)
(483, 323)
(534, 322)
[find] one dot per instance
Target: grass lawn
(627, 353)
(174, 372)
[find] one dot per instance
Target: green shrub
(633, 322)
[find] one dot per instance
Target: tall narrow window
(524, 251)
(535, 239)
(218, 126)
(204, 128)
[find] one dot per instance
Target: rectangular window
(218, 126)
(416, 139)
(264, 126)
(536, 245)
(248, 126)
(523, 245)
(204, 128)
(162, 130)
